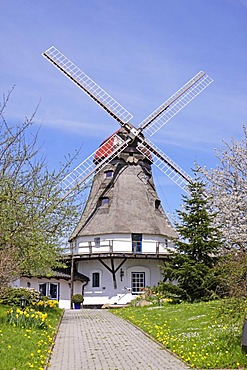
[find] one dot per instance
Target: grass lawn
(204, 335)
(22, 348)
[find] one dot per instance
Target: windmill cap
(111, 143)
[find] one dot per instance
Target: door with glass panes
(137, 282)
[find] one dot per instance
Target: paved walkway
(98, 340)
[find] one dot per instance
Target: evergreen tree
(190, 271)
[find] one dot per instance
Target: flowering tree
(227, 185)
(33, 219)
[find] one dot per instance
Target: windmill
(114, 167)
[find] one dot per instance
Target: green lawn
(22, 348)
(204, 335)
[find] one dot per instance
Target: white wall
(106, 292)
(64, 288)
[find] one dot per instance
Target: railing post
(111, 246)
(90, 247)
(157, 248)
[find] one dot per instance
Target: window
(53, 291)
(103, 201)
(157, 203)
(108, 174)
(50, 290)
(136, 243)
(137, 282)
(43, 289)
(97, 242)
(96, 280)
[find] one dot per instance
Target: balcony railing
(122, 247)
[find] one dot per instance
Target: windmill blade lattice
(95, 92)
(175, 103)
(84, 173)
(165, 164)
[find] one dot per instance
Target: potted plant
(77, 299)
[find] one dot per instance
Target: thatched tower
(123, 200)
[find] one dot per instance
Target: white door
(137, 282)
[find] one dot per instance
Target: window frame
(47, 290)
(138, 281)
(108, 174)
(97, 241)
(98, 279)
(136, 240)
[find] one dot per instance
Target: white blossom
(227, 188)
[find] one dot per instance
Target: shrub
(77, 298)
(11, 296)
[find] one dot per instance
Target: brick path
(98, 340)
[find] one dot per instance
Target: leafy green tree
(190, 271)
(33, 219)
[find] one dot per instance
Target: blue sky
(140, 52)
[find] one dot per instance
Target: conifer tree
(190, 271)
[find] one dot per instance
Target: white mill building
(123, 235)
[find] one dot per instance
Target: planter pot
(77, 306)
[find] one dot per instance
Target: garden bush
(11, 296)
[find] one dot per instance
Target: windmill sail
(131, 135)
(75, 74)
(165, 164)
(175, 103)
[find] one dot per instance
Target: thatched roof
(133, 205)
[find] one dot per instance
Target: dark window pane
(97, 242)
(136, 243)
(108, 174)
(95, 282)
(42, 289)
(104, 201)
(53, 291)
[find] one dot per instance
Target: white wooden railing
(122, 247)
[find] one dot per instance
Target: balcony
(121, 248)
